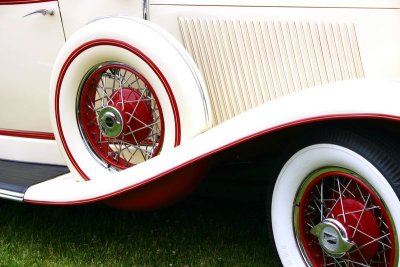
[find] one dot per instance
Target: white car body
(254, 67)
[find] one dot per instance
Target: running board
(17, 177)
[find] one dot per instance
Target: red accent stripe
(135, 51)
(20, 2)
(237, 142)
(27, 134)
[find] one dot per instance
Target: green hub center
(110, 122)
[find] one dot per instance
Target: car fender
(347, 99)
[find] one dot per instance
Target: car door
(31, 35)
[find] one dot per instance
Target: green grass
(196, 232)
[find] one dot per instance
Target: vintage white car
(130, 102)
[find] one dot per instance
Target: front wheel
(336, 203)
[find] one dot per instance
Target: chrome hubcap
(110, 122)
(332, 237)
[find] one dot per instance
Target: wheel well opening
(246, 170)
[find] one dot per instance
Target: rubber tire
(149, 50)
(377, 163)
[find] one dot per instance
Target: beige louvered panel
(248, 62)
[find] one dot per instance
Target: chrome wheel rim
(339, 220)
(119, 116)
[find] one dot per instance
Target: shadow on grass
(196, 232)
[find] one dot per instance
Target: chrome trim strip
(146, 15)
(16, 196)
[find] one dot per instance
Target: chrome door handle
(44, 12)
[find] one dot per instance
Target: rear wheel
(335, 203)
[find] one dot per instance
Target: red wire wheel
(119, 116)
(340, 221)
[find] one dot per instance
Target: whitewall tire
(123, 91)
(336, 202)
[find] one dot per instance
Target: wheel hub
(111, 122)
(136, 114)
(127, 114)
(332, 237)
